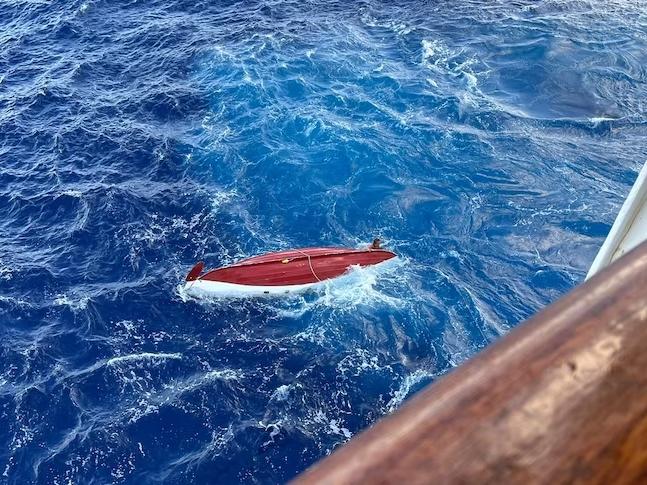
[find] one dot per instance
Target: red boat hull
(295, 267)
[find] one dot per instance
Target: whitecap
(223, 374)
(601, 119)
(407, 383)
(221, 198)
(78, 303)
(6, 272)
(72, 193)
(144, 356)
(332, 426)
(336, 429)
(453, 67)
(281, 393)
(361, 286)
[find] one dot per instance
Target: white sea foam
(216, 129)
(336, 429)
(6, 272)
(223, 374)
(399, 28)
(14, 301)
(406, 385)
(172, 391)
(75, 303)
(222, 198)
(600, 119)
(331, 426)
(120, 361)
(361, 360)
(282, 393)
(453, 67)
(219, 440)
(144, 356)
(359, 287)
(72, 193)
(181, 292)
(149, 397)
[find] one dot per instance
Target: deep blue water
(490, 144)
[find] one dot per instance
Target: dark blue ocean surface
(490, 144)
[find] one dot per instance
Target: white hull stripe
(199, 288)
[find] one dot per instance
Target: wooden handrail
(560, 399)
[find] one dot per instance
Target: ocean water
(489, 143)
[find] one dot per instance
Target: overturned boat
(282, 272)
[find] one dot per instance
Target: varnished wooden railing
(560, 399)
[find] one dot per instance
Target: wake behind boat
(282, 272)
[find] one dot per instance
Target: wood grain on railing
(560, 399)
